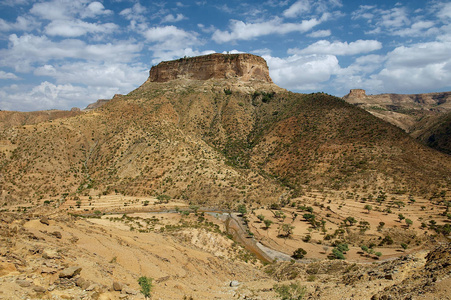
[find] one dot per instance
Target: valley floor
(57, 253)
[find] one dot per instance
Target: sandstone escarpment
(246, 67)
(435, 102)
(426, 117)
(355, 94)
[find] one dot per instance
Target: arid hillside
(218, 142)
(15, 118)
(423, 116)
(218, 184)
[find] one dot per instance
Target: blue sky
(69, 53)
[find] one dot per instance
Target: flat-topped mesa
(246, 67)
(356, 93)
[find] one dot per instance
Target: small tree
(299, 253)
(364, 226)
(399, 204)
(287, 229)
(404, 246)
(368, 208)
(267, 223)
(343, 247)
(146, 285)
(280, 214)
(337, 254)
(242, 209)
(401, 217)
(409, 222)
(261, 218)
(350, 220)
(311, 219)
(386, 240)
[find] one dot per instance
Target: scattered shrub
(146, 285)
(299, 253)
(292, 291)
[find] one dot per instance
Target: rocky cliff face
(246, 67)
(426, 117)
(435, 102)
(355, 94)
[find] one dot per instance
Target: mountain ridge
(147, 184)
(424, 116)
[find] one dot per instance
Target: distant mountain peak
(246, 67)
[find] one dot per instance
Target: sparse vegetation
(146, 286)
(299, 253)
(292, 291)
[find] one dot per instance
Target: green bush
(299, 253)
(387, 240)
(292, 291)
(146, 285)
(337, 254)
(242, 209)
(343, 248)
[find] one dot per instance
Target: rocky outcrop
(426, 117)
(355, 94)
(424, 281)
(246, 67)
(96, 104)
(70, 272)
(101, 102)
(438, 102)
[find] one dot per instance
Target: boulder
(234, 283)
(82, 283)
(44, 220)
(117, 286)
(39, 289)
(129, 291)
(91, 287)
(57, 234)
(70, 272)
(23, 283)
(50, 254)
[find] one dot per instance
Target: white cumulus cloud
(167, 41)
(26, 50)
(240, 30)
(302, 72)
(95, 9)
(320, 33)
(78, 28)
(339, 48)
(7, 75)
(173, 19)
(298, 8)
(23, 23)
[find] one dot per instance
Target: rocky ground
(46, 253)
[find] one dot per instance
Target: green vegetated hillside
(214, 143)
